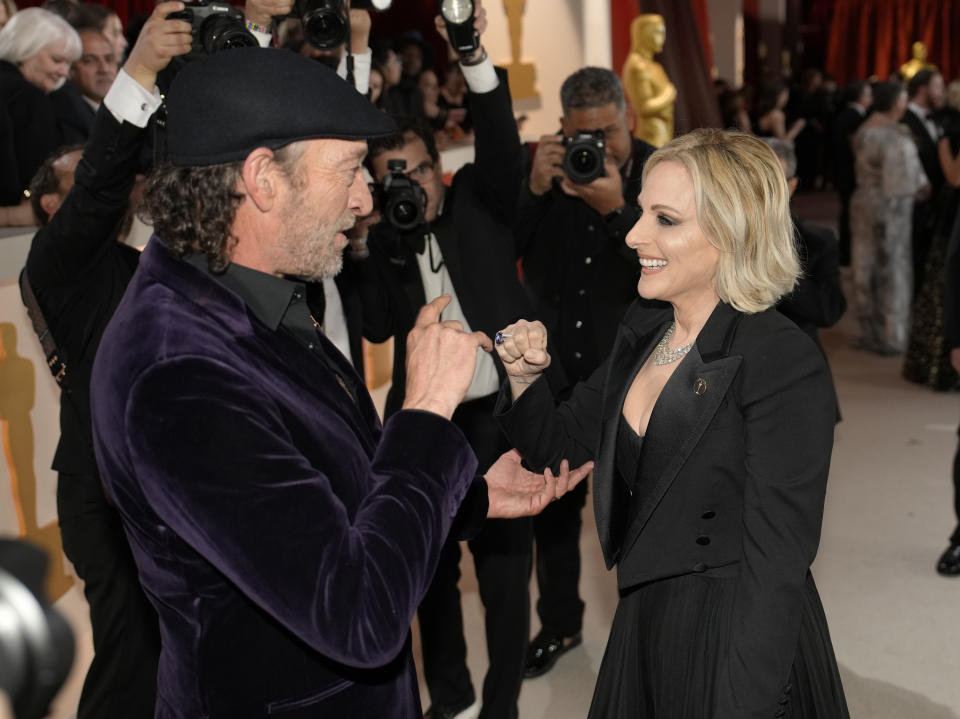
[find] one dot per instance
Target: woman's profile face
(48, 68)
(677, 263)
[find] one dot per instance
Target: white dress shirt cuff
(480, 78)
(264, 38)
(128, 100)
(361, 70)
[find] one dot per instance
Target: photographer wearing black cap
(284, 536)
(583, 276)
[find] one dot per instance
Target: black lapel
(683, 411)
(633, 345)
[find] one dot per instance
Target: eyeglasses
(421, 173)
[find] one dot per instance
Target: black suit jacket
(737, 453)
(74, 114)
(28, 132)
(79, 272)
(845, 125)
(927, 149)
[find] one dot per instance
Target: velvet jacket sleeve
(88, 218)
(340, 555)
(785, 398)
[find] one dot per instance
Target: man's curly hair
(193, 208)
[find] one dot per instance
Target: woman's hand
(513, 491)
(522, 347)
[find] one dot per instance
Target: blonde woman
(712, 426)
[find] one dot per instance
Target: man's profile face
(320, 202)
(608, 118)
(429, 175)
(96, 69)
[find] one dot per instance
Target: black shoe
(467, 710)
(544, 651)
(949, 563)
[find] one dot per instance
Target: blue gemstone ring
(500, 336)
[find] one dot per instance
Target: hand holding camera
(401, 201)
(461, 23)
(159, 42)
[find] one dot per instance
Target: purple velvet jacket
(283, 535)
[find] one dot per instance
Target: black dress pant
(557, 534)
(955, 537)
(844, 226)
(501, 556)
(121, 682)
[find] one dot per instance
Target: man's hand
(441, 359)
(513, 491)
(159, 42)
(547, 164)
(479, 24)
(955, 358)
(605, 194)
(262, 12)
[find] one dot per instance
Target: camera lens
(584, 161)
(224, 33)
(324, 22)
(404, 215)
(584, 157)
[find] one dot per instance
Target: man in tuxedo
(90, 78)
(925, 93)
(859, 97)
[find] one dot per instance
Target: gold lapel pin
(700, 386)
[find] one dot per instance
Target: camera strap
(58, 367)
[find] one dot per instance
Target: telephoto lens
(324, 22)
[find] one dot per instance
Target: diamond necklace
(662, 354)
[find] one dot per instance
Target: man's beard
(310, 251)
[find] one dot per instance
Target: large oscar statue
(646, 83)
(522, 75)
(916, 63)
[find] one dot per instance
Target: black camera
(216, 26)
(402, 201)
(326, 23)
(459, 16)
(36, 643)
(583, 160)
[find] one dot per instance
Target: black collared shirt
(280, 304)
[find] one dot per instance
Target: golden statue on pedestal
(645, 82)
(522, 75)
(916, 63)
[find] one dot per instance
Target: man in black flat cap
(284, 536)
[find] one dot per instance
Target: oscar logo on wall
(522, 75)
(17, 394)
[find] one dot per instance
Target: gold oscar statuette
(645, 82)
(522, 75)
(916, 63)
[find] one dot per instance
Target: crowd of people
(254, 539)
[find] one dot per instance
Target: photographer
(78, 273)
(462, 246)
(583, 276)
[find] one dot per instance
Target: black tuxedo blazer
(74, 115)
(845, 125)
(737, 453)
(927, 149)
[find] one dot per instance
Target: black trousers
(501, 556)
(843, 225)
(955, 537)
(556, 532)
(121, 682)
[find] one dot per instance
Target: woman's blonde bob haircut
(743, 206)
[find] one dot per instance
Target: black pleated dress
(670, 637)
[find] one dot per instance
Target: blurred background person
(8, 9)
(859, 97)
(90, 78)
(889, 177)
(36, 49)
(771, 119)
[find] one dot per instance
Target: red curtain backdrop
(873, 37)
